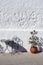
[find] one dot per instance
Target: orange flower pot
(33, 49)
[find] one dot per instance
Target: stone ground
(21, 59)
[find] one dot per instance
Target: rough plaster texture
(23, 35)
(20, 14)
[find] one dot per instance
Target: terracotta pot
(33, 49)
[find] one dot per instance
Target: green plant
(33, 39)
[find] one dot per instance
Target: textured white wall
(23, 35)
(21, 15)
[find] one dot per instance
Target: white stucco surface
(23, 35)
(18, 17)
(21, 14)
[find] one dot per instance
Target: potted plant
(33, 41)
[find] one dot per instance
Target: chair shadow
(15, 45)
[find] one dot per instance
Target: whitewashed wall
(18, 17)
(21, 14)
(23, 35)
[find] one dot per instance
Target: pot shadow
(40, 45)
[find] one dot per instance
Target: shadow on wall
(16, 44)
(40, 45)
